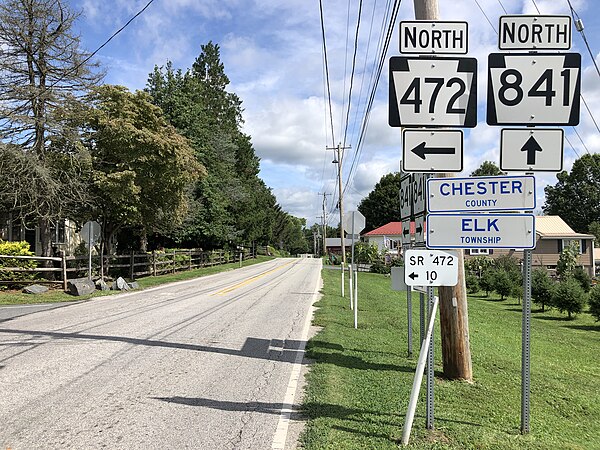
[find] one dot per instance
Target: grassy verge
(57, 295)
(358, 388)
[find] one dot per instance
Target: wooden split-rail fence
(57, 270)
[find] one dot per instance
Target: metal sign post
(526, 342)
(430, 361)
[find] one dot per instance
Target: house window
(567, 242)
(58, 232)
(479, 251)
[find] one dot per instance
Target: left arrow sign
(422, 150)
(413, 275)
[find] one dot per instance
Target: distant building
(388, 237)
(334, 245)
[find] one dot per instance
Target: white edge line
(290, 393)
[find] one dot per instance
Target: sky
(272, 51)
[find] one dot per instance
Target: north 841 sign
(533, 89)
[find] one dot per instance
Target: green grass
(359, 385)
(57, 295)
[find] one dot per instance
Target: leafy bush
(595, 302)
(569, 296)
(472, 283)
(583, 278)
(567, 260)
(365, 253)
(477, 265)
(16, 249)
(380, 267)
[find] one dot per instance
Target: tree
(576, 195)
(542, 287)
(594, 228)
(567, 260)
(595, 302)
(503, 284)
(231, 204)
(44, 76)
(569, 296)
(141, 165)
(381, 206)
(487, 169)
(487, 281)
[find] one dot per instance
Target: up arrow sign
(531, 150)
(531, 146)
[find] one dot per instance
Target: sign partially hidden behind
(90, 232)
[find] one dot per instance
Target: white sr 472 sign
(430, 268)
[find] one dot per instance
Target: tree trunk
(143, 241)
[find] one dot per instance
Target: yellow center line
(250, 280)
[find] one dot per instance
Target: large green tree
(576, 195)
(382, 205)
(141, 165)
(487, 169)
(44, 75)
(231, 204)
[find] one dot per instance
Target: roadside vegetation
(359, 384)
(57, 295)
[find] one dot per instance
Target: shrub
(365, 253)
(583, 278)
(542, 288)
(595, 302)
(472, 283)
(569, 296)
(567, 260)
(16, 249)
(380, 267)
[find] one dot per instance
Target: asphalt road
(210, 363)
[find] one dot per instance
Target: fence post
(153, 262)
(190, 264)
(131, 265)
(174, 254)
(63, 265)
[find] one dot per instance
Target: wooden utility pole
(324, 217)
(340, 155)
(454, 317)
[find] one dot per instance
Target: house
(65, 234)
(334, 245)
(552, 235)
(388, 237)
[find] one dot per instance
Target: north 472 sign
(433, 92)
(533, 89)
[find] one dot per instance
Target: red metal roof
(389, 229)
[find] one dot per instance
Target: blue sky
(272, 51)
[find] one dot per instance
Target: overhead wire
(377, 76)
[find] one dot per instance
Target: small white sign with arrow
(432, 150)
(528, 150)
(430, 268)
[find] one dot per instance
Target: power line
(579, 27)
(353, 69)
(327, 71)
